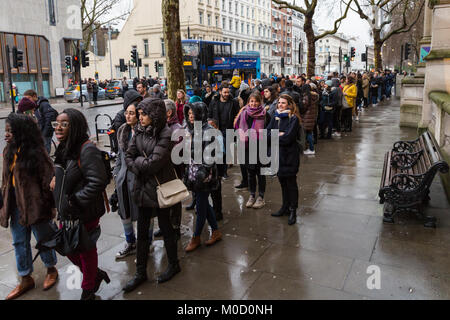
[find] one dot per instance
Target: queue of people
(72, 188)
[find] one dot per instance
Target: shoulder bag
(171, 192)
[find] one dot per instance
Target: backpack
(106, 161)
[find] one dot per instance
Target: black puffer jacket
(204, 170)
(45, 116)
(79, 186)
(148, 154)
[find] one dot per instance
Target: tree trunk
(308, 28)
(377, 45)
(172, 39)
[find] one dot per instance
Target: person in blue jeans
(201, 178)
(28, 200)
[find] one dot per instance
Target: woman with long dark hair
(81, 179)
(270, 100)
(148, 157)
(287, 120)
(28, 201)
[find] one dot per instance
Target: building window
(145, 47)
(52, 12)
(230, 6)
(163, 48)
(217, 21)
(146, 70)
(230, 26)
(209, 19)
(224, 23)
(242, 27)
(200, 16)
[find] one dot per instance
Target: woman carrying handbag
(148, 157)
(80, 180)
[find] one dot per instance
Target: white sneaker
(374, 105)
(309, 152)
(357, 118)
(336, 134)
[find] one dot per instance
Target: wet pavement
(339, 236)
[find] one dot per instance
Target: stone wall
(411, 101)
(440, 127)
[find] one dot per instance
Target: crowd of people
(72, 187)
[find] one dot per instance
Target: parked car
(72, 93)
(114, 88)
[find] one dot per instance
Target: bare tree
(308, 11)
(95, 14)
(172, 38)
(381, 13)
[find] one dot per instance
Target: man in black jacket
(291, 92)
(45, 114)
(223, 111)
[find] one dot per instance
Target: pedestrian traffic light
(68, 60)
(345, 57)
(139, 62)
(347, 63)
(134, 56)
(156, 66)
(363, 57)
(123, 66)
(352, 52)
(407, 50)
(17, 58)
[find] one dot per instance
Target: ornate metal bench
(408, 171)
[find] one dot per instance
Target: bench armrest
(403, 182)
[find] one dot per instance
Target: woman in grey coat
(125, 180)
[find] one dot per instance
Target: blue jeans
(388, 90)
(21, 241)
(374, 99)
(310, 137)
(204, 212)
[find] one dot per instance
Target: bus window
(217, 50)
(190, 49)
(226, 51)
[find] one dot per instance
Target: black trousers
(254, 171)
(94, 95)
(289, 191)
(216, 196)
(143, 224)
(337, 118)
(327, 122)
(244, 173)
(175, 215)
(347, 118)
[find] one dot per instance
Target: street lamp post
(110, 49)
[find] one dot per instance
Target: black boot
(101, 275)
(283, 211)
(292, 216)
(138, 279)
(170, 272)
(87, 295)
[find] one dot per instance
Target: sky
(352, 26)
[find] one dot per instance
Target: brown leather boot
(215, 236)
(50, 279)
(26, 284)
(193, 244)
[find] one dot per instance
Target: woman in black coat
(80, 179)
(148, 157)
(287, 120)
(201, 178)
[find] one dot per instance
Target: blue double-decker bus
(213, 61)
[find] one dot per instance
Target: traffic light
(407, 50)
(84, 59)
(17, 58)
(363, 57)
(76, 61)
(68, 60)
(123, 66)
(346, 58)
(347, 64)
(139, 62)
(156, 66)
(352, 52)
(282, 62)
(134, 56)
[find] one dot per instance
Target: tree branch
(290, 6)
(337, 24)
(405, 24)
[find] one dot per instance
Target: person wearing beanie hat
(329, 83)
(157, 92)
(26, 106)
